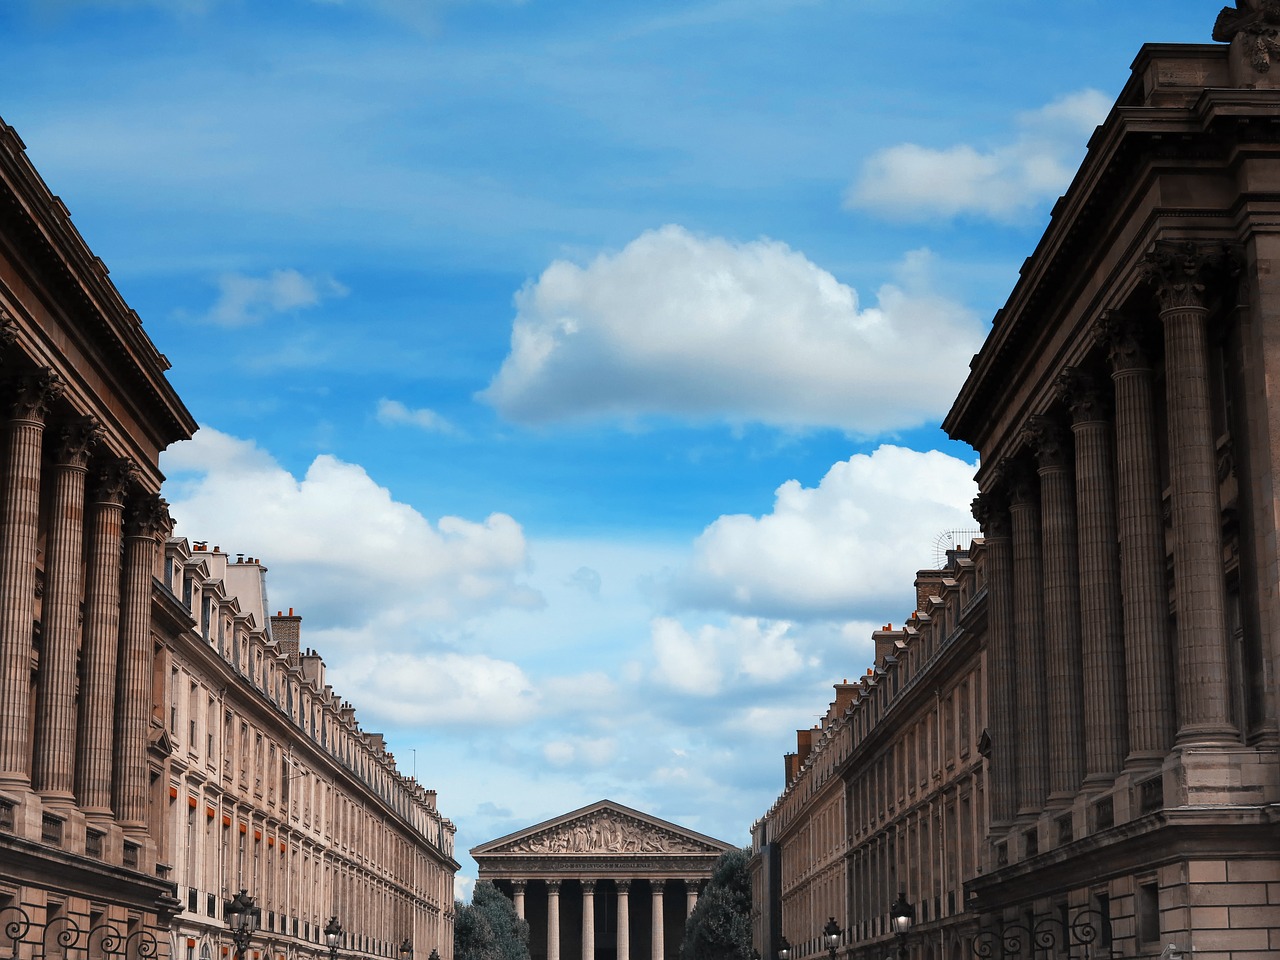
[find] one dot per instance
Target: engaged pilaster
(1180, 272)
(1102, 628)
(1052, 445)
(29, 400)
(1148, 663)
(53, 772)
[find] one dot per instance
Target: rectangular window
(1147, 907)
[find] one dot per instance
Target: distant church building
(604, 882)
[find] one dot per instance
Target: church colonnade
(604, 919)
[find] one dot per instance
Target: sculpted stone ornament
(1255, 26)
(1083, 395)
(1180, 271)
(149, 517)
(77, 439)
(606, 832)
(1049, 439)
(113, 478)
(992, 513)
(31, 395)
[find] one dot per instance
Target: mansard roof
(604, 828)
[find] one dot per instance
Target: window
(1146, 905)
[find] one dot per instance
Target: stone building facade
(886, 795)
(86, 410)
(604, 882)
(273, 787)
(1124, 409)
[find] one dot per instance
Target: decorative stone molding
(31, 395)
(991, 510)
(1083, 395)
(1181, 270)
(1127, 340)
(76, 441)
(1255, 26)
(149, 517)
(113, 478)
(1050, 441)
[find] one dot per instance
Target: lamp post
(243, 916)
(332, 934)
(406, 949)
(434, 955)
(831, 935)
(784, 949)
(901, 916)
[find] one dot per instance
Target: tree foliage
(488, 928)
(720, 926)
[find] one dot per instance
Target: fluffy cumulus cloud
(441, 689)
(346, 550)
(1002, 182)
(704, 328)
(702, 662)
(837, 550)
(245, 300)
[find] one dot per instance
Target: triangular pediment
(605, 828)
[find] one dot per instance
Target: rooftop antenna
(949, 540)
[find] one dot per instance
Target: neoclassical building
(86, 410)
(1125, 411)
(271, 785)
(604, 882)
(887, 794)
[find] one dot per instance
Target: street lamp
(332, 934)
(243, 916)
(784, 949)
(434, 955)
(406, 949)
(901, 916)
(831, 933)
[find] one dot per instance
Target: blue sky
(575, 367)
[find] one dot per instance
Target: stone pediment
(605, 829)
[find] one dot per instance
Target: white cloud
(837, 549)
(442, 689)
(581, 751)
(244, 300)
(1003, 182)
(395, 413)
(705, 661)
(345, 550)
(703, 328)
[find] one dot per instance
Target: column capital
(519, 886)
(991, 509)
(76, 440)
(112, 478)
(8, 330)
(1127, 339)
(1083, 395)
(657, 885)
(1049, 440)
(148, 517)
(588, 886)
(623, 885)
(553, 886)
(31, 395)
(1181, 270)
(1019, 481)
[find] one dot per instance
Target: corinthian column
(1148, 663)
(553, 920)
(1179, 272)
(658, 947)
(29, 401)
(624, 920)
(1052, 445)
(517, 896)
(54, 768)
(588, 920)
(1028, 626)
(148, 520)
(101, 639)
(1102, 629)
(991, 510)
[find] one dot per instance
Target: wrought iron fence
(64, 939)
(1081, 936)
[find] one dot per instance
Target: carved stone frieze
(606, 831)
(1255, 24)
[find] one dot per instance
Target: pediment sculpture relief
(606, 832)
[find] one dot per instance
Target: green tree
(720, 926)
(487, 928)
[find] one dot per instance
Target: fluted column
(624, 920)
(1148, 663)
(656, 939)
(517, 896)
(1028, 628)
(991, 510)
(1180, 272)
(148, 519)
(553, 920)
(101, 638)
(690, 896)
(1102, 628)
(29, 401)
(53, 770)
(1052, 445)
(588, 920)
